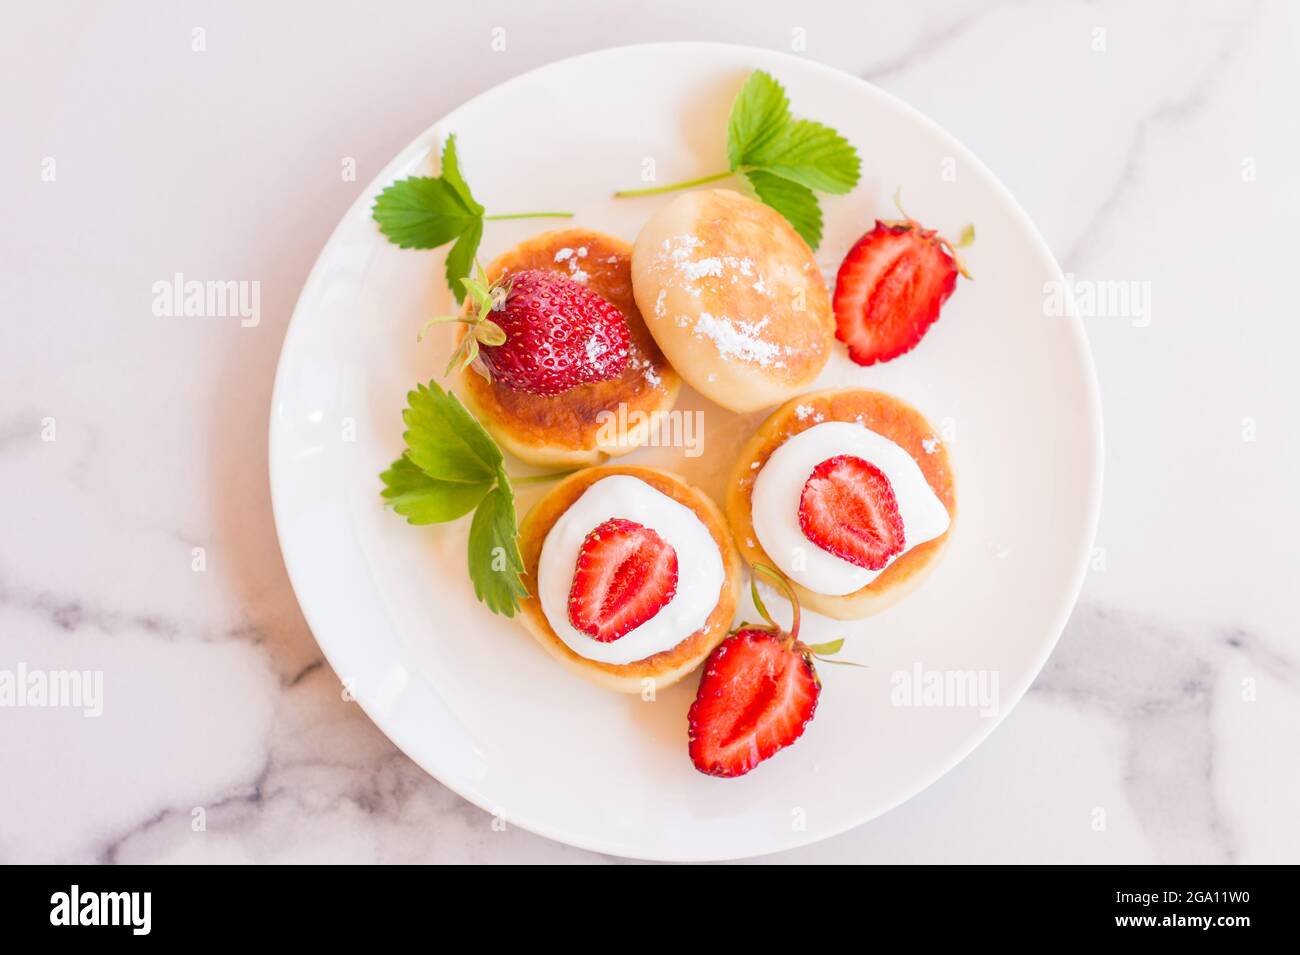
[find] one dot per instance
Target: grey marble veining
(1164, 727)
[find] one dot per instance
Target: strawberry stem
(786, 591)
(529, 215)
(758, 603)
(543, 478)
(441, 320)
(687, 184)
(898, 202)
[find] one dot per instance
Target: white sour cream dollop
(779, 486)
(700, 572)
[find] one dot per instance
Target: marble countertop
(1151, 143)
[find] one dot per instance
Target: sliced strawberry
(758, 692)
(890, 288)
(626, 573)
(848, 509)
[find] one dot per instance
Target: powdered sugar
(677, 255)
(734, 338)
(572, 256)
(679, 246)
(647, 369)
(694, 271)
(740, 339)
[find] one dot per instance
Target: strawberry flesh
(889, 290)
(625, 574)
(559, 334)
(758, 692)
(848, 509)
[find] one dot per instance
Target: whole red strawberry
(543, 332)
(758, 692)
(891, 286)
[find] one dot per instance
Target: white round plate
(471, 697)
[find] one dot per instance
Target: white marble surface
(1170, 157)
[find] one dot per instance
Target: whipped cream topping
(700, 572)
(779, 486)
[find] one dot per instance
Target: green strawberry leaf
(451, 174)
(812, 155)
(495, 564)
(425, 212)
(794, 201)
(451, 466)
(421, 212)
(444, 441)
(425, 500)
(460, 260)
(784, 158)
(758, 118)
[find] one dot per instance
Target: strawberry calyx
(908, 224)
(792, 635)
(487, 298)
(790, 638)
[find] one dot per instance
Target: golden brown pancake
(734, 298)
(565, 430)
(883, 414)
(663, 668)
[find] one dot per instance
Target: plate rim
(1093, 409)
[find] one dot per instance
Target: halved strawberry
(755, 698)
(891, 286)
(626, 573)
(848, 508)
(758, 692)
